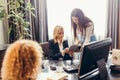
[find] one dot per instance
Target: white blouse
(85, 37)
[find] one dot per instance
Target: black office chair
(3, 48)
(45, 47)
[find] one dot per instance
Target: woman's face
(75, 20)
(60, 34)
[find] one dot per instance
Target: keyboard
(71, 69)
(115, 68)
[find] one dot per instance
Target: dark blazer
(55, 53)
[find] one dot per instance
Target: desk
(73, 76)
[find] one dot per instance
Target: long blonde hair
(22, 61)
(56, 31)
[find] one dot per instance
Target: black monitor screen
(92, 53)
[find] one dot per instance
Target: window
(59, 14)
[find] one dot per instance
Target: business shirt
(86, 36)
(55, 53)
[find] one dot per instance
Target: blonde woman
(22, 61)
(58, 46)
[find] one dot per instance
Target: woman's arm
(54, 50)
(68, 55)
(89, 32)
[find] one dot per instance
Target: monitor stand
(102, 69)
(99, 73)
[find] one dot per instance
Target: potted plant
(16, 13)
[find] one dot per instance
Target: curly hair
(22, 61)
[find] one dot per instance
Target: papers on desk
(52, 76)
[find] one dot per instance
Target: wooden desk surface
(59, 65)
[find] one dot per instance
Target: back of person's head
(22, 61)
(56, 31)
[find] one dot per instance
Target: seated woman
(59, 47)
(22, 61)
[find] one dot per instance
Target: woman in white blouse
(83, 28)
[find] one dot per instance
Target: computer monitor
(94, 57)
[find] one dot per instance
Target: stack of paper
(52, 76)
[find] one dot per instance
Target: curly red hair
(22, 61)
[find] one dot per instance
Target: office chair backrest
(2, 53)
(45, 47)
(3, 48)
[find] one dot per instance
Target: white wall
(59, 14)
(3, 26)
(2, 41)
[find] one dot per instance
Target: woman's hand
(71, 53)
(66, 50)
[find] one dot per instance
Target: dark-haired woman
(83, 28)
